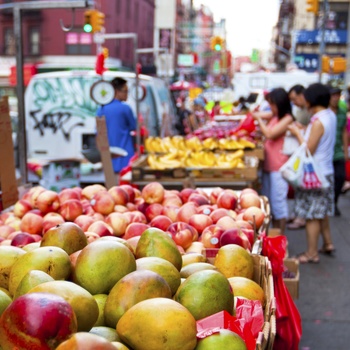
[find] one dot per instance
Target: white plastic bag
(300, 170)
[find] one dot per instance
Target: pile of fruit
(194, 143)
(123, 268)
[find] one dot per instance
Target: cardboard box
(292, 284)
(60, 173)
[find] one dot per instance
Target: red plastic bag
(347, 170)
(288, 320)
(247, 124)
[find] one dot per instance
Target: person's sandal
(303, 258)
(296, 225)
(327, 249)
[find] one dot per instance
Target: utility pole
(17, 9)
(322, 43)
(347, 74)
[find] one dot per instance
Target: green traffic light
(88, 28)
(217, 47)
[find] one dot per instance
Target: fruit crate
(256, 152)
(249, 173)
(291, 278)
(262, 276)
(140, 170)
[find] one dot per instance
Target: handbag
(301, 171)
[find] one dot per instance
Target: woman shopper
(273, 185)
(317, 205)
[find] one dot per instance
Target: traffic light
(326, 64)
(216, 43)
(312, 6)
(87, 21)
(94, 21)
(338, 65)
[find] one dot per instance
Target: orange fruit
(233, 260)
(158, 324)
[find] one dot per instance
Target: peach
(183, 234)
(68, 193)
(89, 191)
(153, 193)
(254, 215)
(249, 200)
(172, 200)
(5, 230)
(32, 223)
(22, 239)
(153, 210)
(71, 209)
(91, 236)
(185, 194)
(21, 207)
(211, 236)
(227, 199)
(121, 208)
(186, 212)
(135, 229)
(217, 214)
(101, 228)
(118, 222)
(235, 236)
(161, 221)
(50, 220)
(102, 202)
(215, 194)
(119, 195)
(130, 191)
(170, 212)
(84, 221)
(226, 222)
(138, 217)
(47, 201)
(14, 222)
(34, 193)
(200, 222)
(198, 199)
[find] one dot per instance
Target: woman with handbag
(273, 185)
(316, 205)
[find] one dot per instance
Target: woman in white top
(317, 205)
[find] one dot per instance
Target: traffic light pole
(17, 9)
(99, 39)
(322, 43)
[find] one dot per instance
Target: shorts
(275, 188)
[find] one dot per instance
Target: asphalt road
(324, 289)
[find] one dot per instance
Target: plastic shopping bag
(292, 169)
(288, 320)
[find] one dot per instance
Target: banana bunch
(231, 160)
(154, 145)
(210, 143)
(168, 161)
(200, 159)
(194, 144)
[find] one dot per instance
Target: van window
(149, 113)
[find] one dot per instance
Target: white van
(60, 114)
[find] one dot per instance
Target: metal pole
(322, 43)
(21, 136)
(138, 129)
(347, 74)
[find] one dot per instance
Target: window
(10, 47)
(78, 43)
(34, 41)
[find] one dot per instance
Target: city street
(324, 302)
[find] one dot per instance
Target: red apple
(227, 199)
(71, 209)
(200, 222)
(186, 212)
(37, 321)
(199, 199)
(22, 239)
(249, 200)
(254, 215)
(153, 210)
(68, 193)
(84, 221)
(119, 195)
(118, 222)
(32, 223)
(183, 234)
(211, 236)
(135, 229)
(102, 202)
(47, 201)
(130, 191)
(217, 214)
(170, 212)
(185, 194)
(235, 236)
(101, 228)
(21, 207)
(161, 221)
(153, 193)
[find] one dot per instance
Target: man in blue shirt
(120, 122)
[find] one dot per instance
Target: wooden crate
(292, 284)
(140, 170)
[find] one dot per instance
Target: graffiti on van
(61, 105)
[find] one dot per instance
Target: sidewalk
(324, 289)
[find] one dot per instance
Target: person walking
(273, 185)
(341, 145)
(317, 205)
(120, 123)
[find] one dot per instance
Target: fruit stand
(156, 237)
